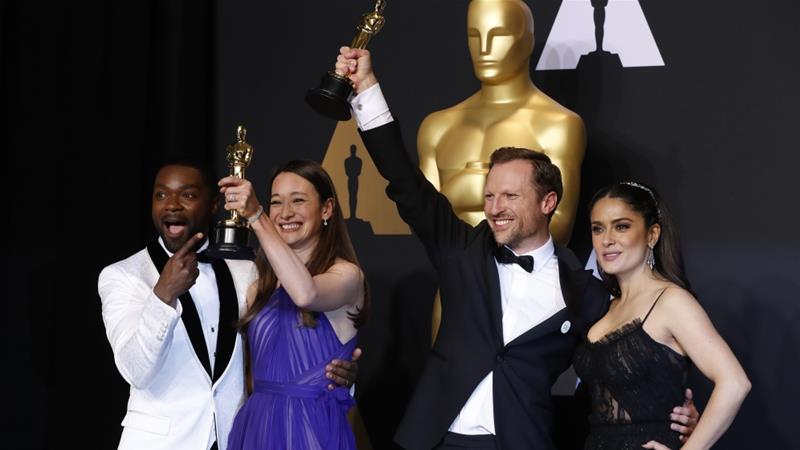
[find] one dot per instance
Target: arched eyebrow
(614, 221)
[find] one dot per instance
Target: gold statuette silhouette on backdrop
(375, 210)
(454, 144)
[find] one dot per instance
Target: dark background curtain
(96, 93)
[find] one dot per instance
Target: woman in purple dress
(303, 311)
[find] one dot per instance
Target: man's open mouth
(174, 227)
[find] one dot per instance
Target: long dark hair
(645, 201)
(334, 242)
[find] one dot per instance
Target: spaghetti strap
(653, 306)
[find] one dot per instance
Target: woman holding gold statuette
(304, 310)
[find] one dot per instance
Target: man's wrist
(167, 299)
(370, 109)
(366, 83)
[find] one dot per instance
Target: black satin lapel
(228, 315)
(157, 255)
(573, 286)
(191, 320)
(548, 326)
(493, 294)
(189, 316)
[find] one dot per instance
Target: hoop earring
(651, 258)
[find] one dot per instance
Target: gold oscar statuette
(231, 234)
(331, 97)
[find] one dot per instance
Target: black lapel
(573, 287)
(190, 318)
(550, 324)
(573, 284)
(228, 315)
(493, 290)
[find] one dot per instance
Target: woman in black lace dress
(635, 359)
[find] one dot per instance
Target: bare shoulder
(346, 269)
(252, 291)
(679, 305)
(676, 296)
(351, 279)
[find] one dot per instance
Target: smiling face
(297, 211)
(620, 237)
(517, 214)
(182, 205)
(500, 38)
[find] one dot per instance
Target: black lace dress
(634, 382)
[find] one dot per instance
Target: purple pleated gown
(291, 407)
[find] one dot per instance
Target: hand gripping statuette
(231, 234)
(331, 97)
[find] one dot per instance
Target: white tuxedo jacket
(175, 401)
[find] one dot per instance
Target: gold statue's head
(500, 36)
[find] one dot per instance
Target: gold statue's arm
(427, 139)
(568, 154)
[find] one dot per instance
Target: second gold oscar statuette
(231, 235)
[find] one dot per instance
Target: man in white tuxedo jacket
(170, 317)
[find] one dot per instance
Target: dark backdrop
(94, 93)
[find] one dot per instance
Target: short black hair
(202, 165)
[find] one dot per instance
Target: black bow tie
(504, 255)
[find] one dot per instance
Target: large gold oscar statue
(454, 144)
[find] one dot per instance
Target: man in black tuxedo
(514, 306)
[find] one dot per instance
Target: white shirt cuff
(370, 108)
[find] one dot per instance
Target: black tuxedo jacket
(470, 340)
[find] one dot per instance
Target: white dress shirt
(205, 296)
(528, 299)
(206, 300)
